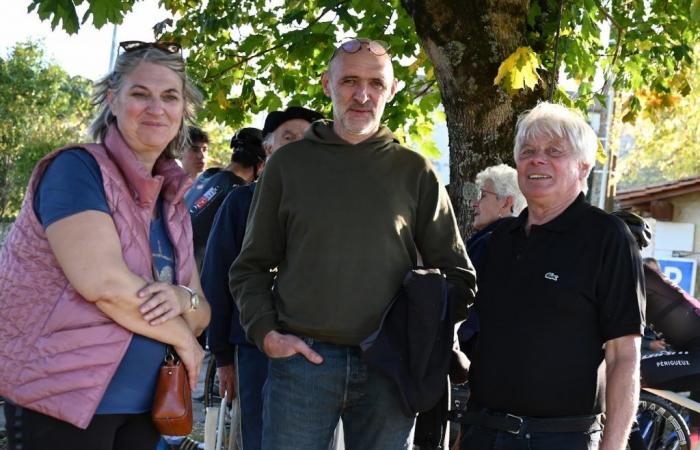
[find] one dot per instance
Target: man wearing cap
(209, 190)
(342, 215)
(226, 337)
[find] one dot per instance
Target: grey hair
(505, 183)
(557, 121)
(114, 81)
(268, 142)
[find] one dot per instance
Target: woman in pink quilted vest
(97, 275)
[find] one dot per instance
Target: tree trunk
(467, 40)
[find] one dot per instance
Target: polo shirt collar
(563, 222)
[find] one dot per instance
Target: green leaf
(58, 11)
(107, 11)
(695, 10)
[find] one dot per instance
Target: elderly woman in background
(97, 274)
(499, 197)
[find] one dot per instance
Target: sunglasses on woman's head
(378, 48)
(167, 47)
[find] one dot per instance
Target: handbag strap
(171, 355)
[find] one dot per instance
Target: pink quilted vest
(58, 351)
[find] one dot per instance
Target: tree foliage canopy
(258, 55)
(253, 55)
(42, 108)
(666, 140)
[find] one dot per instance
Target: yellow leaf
(645, 45)
(519, 70)
(418, 63)
(516, 79)
(601, 155)
(530, 78)
(222, 100)
(505, 67)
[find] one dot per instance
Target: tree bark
(467, 40)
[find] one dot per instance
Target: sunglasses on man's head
(167, 47)
(378, 48)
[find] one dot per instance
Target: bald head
(359, 85)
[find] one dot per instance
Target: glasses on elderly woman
(166, 46)
(378, 48)
(483, 192)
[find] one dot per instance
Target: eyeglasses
(378, 48)
(166, 46)
(482, 192)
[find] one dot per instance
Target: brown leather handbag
(172, 405)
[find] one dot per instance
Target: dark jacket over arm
(223, 246)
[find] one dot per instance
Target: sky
(86, 53)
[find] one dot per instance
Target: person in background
(342, 214)
(210, 189)
(241, 367)
(97, 274)
(651, 341)
(674, 316)
(499, 197)
(194, 154)
(566, 277)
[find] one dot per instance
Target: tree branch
(555, 69)
(425, 89)
(245, 59)
(618, 41)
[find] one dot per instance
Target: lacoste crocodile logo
(551, 276)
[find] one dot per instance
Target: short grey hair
(114, 81)
(558, 121)
(505, 183)
(268, 142)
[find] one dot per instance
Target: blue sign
(681, 271)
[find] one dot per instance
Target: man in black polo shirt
(561, 292)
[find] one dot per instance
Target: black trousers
(475, 437)
(30, 430)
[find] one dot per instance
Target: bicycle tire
(661, 425)
(211, 385)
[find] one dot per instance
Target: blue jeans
(303, 402)
(252, 372)
(479, 438)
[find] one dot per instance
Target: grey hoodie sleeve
(439, 242)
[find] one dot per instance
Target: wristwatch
(194, 297)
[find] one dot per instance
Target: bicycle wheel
(661, 425)
(211, 385)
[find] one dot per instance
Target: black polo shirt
(547, 302)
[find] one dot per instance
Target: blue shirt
(72, 184)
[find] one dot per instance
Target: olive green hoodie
(342, 224)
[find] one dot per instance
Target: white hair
(558, 121)
(268, 142)
(505, 183)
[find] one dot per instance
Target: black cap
(247, 137)
(277, 118)
(247, 147)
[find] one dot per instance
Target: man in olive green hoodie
(342, 215)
